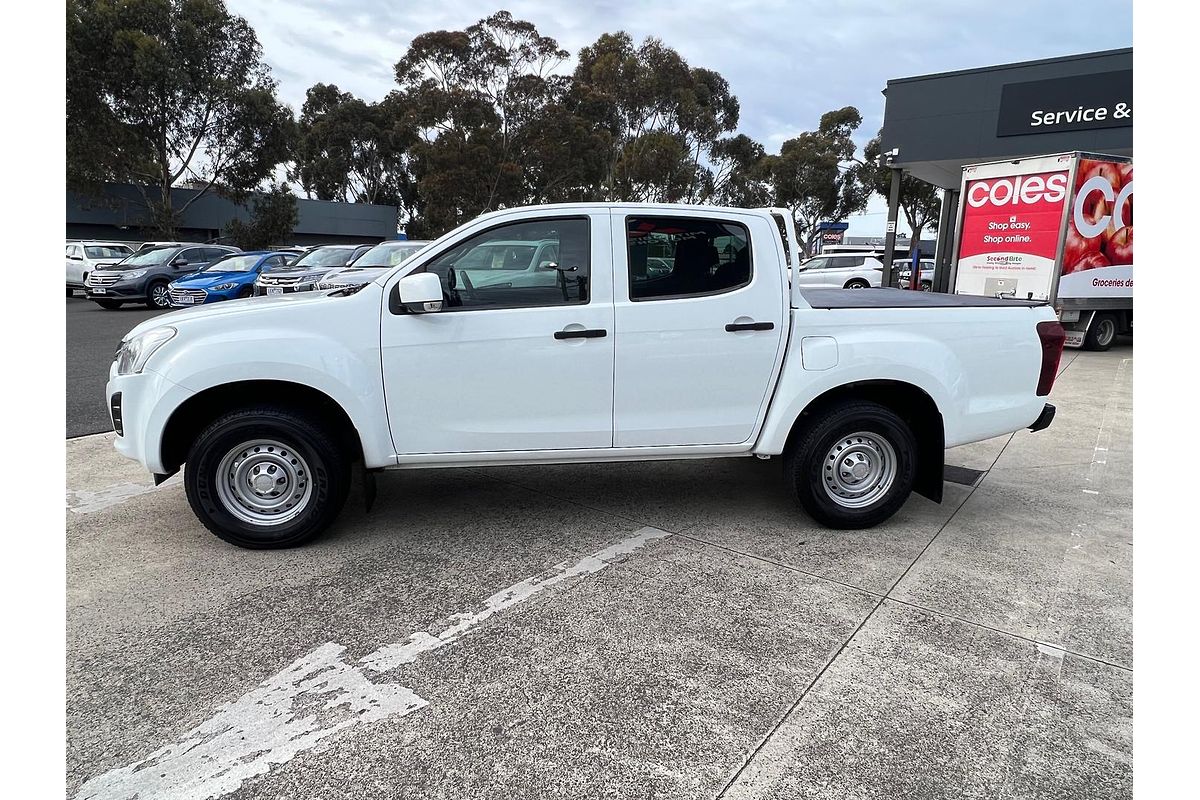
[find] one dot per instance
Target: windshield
(325, 257)
(104, 251)
(387, 254)
(234, 264)
(148, 258)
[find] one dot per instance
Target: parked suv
(143, 276)
(848, 271)
(83, 257)
(304, 273)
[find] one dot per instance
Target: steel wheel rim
(1106, 332)
(859, 469)
(264, 482)
(159, 295)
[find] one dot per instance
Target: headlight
(133, 353)
(128, 276)
(223, 287)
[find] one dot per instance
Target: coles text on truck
(1057, 228)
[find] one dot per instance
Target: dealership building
(933, 125)
(118, 215)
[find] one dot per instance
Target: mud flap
(369, 488)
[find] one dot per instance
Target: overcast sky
(788, 61)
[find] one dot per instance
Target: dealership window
(544, 262)
(685, 257)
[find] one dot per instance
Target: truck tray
(904, 298)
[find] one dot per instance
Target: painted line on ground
(82, 501)
(316, 696)
(1099, 461)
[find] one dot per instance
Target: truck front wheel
(266, 478)
(854, 465)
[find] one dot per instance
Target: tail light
(1052, 336)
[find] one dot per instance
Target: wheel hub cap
(263, 482)
(859, 469)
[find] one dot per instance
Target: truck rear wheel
(854, 465)
(266, 478)
(1101, 333)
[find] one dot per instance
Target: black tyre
(246, 291)
(926, 286)
(70, 292)
(157, 296)
(1101, 333)
(856, 283)
(266, 478)
(853, 465)
(110, 305)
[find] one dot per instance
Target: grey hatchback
(143, 276)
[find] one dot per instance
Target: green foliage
(662, 118)
(272, 220)
(812, 175)
(167, 91)
(918, 200)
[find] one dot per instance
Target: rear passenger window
(685, 257)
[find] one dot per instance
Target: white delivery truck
(1057, 228)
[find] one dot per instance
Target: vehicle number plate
(98, 290)
(272, 291)
(186, 300)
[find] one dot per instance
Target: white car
(903, 268)
(270, 403)
(840, 271)
(371, 264)
(83, 257)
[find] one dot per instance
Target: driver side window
(511, 266)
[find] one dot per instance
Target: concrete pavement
(671, 629)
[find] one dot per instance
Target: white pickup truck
(270, 402)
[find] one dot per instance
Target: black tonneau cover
(904, 298)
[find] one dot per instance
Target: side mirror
(547, 265)
(421, 293)
(75, 258)
(179, 262)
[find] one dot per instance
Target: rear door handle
(750, 326)
(590, 333)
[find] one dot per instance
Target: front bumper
(262, 291)
(133, 290)
(146, 403)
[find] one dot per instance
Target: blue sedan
(228, 278)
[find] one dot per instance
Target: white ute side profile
(658, 332)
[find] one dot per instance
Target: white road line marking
(264, 727)
(393, 655)
(82, 501)
(1104, 434)
(314, 697)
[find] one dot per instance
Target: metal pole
(943, 240)
(947, 232)
(889, 243)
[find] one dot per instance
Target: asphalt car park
(93, 334)
(662, 629)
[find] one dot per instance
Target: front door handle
(750, 326)
(590, 333)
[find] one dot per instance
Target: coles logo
(1018, 190)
